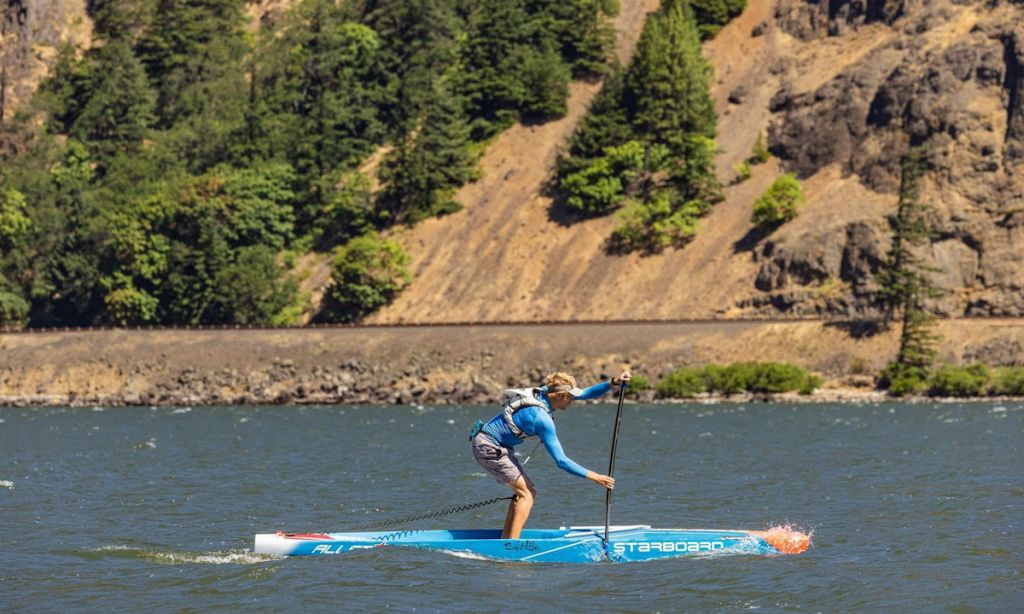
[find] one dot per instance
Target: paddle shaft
(611, 463)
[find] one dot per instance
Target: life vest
(519, 398)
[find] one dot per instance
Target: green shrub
(14, 221)
(742, 171)
(252, 290)
(779, 203)
(369, 272)
(13, 309)
(1009, 381)
(760, 153)
(810, 384)
(601, 186)
(754, 377)
(650, 227)
(639, 382)
(680, 384)
(954, 381)
(901, 380)
(776, 377)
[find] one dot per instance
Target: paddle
(611, 465)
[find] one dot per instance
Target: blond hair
(560, 379)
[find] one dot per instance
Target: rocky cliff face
(944, 75)
(31, 32)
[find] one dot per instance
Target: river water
(911, 507)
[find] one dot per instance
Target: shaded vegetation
(647, 143)
(761, 377)
(182, 156)
(779, 203)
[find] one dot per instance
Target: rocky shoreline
(356, 383)
(446, 364)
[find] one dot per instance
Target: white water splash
(462, 554)
(6, 484)
(227, 557)
(182, 410)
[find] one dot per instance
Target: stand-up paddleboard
(587, 544)
(564, 545)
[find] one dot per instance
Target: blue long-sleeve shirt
(537, 421)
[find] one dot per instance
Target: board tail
(786, 539)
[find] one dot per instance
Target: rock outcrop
(946, 76)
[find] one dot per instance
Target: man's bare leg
(519, 508)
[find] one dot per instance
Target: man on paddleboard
(528, 412)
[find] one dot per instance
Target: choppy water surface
(912, 507)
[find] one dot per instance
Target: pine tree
(582, 29)
(546, 84)
(418, 43)
(711, 15)
(188, 45)
(317, 101)
(426, 166)
(668, 83)
(605, 125)
(62, 94)
(120, 20)
(498, 38)
(119, 110)
(906, 285)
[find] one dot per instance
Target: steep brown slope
(816, 78)
(503, 258)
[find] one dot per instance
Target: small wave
(226, 557)
(182, 410)
(6, 484)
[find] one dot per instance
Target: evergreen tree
(668, 83)
(119, 109)
(189, 44)
(62, 94)
(498, 39)
(605, 125)
(418, 43)
(59, 262)
(423, 170)
(582, 30)
(319, 101)
(546, 84)
(120, 20)
(906, 285)
(711, 15)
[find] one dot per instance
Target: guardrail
(222, 327)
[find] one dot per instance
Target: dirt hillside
(813, 81)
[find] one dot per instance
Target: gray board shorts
(499, 461)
